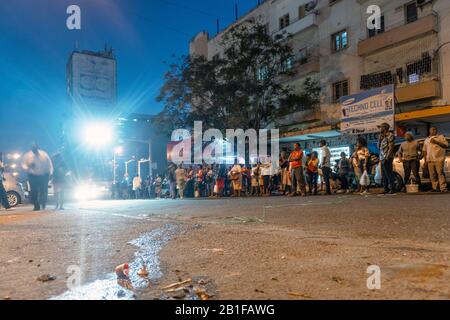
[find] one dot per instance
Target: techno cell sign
(363, 112)
(92, 80)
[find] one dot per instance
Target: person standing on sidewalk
(312, 170)
(434, 149)
(172, 180)
(326, 165)
(386, 147)
(297, 173)
(3, 196)
(180, 176)
(137, 185)
(343, 171)
(409, 156)
(39, 167)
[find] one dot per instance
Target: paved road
(248, 248)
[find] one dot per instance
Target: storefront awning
(432, 115)
(322, 132)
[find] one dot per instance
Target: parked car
(14, 190)
(400, 174)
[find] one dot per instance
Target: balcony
(416, 80)
(425, 25)
(297, 26)
(422, 90)
(302, 116)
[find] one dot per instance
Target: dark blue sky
(35, 45)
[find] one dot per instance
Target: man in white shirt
(39, 167)
(137, 185)
(434, 149)
(325, 157)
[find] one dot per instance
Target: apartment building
(332, 43)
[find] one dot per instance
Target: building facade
(333, 44)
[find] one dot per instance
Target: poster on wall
(92, 80)
(363, 112)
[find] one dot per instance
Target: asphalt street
(248, 248)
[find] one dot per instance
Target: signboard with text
(363, 112)
(92, 80)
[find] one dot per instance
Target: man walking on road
(297, 174)
(386, 147)
(39, 167)
(326, 165)
(434, 149)
(409, 156)
(3, 196)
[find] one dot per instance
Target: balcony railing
(423, 69)
(297, 25)
(395, 34)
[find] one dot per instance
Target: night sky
(35, 46)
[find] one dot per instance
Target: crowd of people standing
(311, 173)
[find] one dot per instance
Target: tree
(242, 89)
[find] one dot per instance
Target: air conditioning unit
(421, 3)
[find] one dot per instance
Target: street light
(139, 165)
(97, 134)
(126, 165)
(16, 156)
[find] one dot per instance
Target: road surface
(249, 248)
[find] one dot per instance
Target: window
(287, 64)
(303, 55)
(301, 12)
(262, 73)
(340, 89)
(374, 32)
(284, 21)
(340, 40)
(411, 12)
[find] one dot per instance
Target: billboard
(92, 80)
(361, 113)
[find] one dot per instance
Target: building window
(284, 21)
(303, 55)
(340, 89)
(411, 12)
(340, 40)
(262, 73)
(287, 64)
(374, 32)
(301, 12)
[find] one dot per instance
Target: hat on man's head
(384, 125)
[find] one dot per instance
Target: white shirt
(137, 181)
(37, 165)
(325, 153)
(433, 150)
(266, 169)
